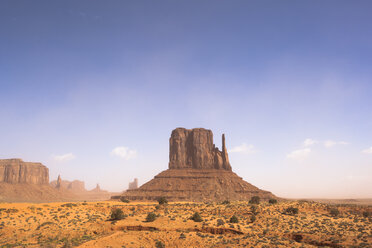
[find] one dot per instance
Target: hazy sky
(93, 89)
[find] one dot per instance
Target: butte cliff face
(17, 171)
(198, 171)
(194, 149)
(26, 181)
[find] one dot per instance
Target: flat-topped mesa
(194, 149)
(17, 171)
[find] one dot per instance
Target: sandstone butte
(198, 171)
(27, 181)
(17, 171)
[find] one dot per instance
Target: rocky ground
(88, 224)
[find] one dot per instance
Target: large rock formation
(25, 181)
(194, 149)
(75, 186)
(17, 171)
(198, 171)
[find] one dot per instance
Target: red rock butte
(198, 171)
(17, 171)
(28, 181)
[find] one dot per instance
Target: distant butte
(15, 170)
(28, 181)
(198, 171)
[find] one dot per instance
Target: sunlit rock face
(194, 149)
(18, 171)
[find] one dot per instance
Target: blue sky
(93, 89)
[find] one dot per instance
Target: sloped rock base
(196, 185)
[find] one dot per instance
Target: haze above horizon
(93, 89)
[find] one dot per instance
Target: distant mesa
(198, 171)
(75, 186)
(17, 171)
(134, 184)
(27, 181)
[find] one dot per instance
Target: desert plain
(91, 224)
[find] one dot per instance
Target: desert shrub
(273, 201)
(150, 217)
(225, 202)
(291, 211)
(298, 237)
(234, 219)
(45, 224)
(196, 217)
(334, 212)
(255, 200)
(159, 244)
(66, 243)
(162, 200)
(123, 199)
(220, 222)
(253, 218)
(68, 205)
(182, 236)
(254, 210)
(117, 214)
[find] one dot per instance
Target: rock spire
(59, 182)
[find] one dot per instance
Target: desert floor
(88, 224)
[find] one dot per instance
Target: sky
(93, 89)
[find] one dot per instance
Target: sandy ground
(87, 224)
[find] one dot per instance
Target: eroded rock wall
(18, 171)
(194, 149)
